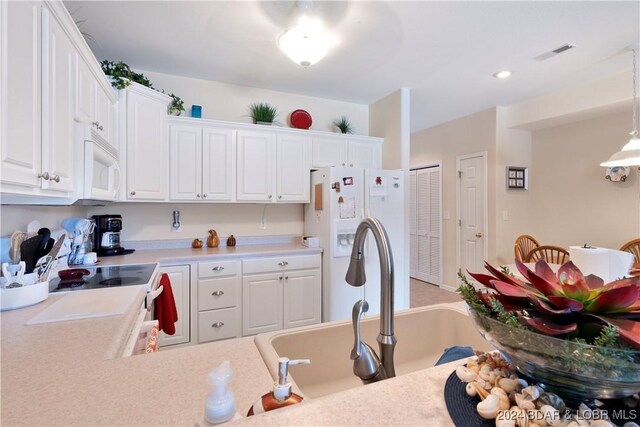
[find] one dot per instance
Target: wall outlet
(446, 215)
(505, 215)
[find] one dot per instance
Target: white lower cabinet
(280, 293)
(181, 287)
(219, 285)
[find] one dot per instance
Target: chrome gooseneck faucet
(366, 363)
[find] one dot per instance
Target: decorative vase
(231, 241)
(197, 243)
(213, 241)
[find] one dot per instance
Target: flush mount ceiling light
(308, 41)
(502, 74)
(630, 153)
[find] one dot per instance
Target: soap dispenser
(281, 395)
(220, 405)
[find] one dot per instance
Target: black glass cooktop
(106, 277)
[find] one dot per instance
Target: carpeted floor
(423, 293)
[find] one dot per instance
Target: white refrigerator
(340, 199)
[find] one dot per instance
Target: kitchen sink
(423, 333)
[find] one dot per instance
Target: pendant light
(308, 41)
(630, 153)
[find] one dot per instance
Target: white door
(434, 230)
(472, 213)
(218, 164)
(364, 154)
(262, 303)
(185, 170)
(302, 298)
(58, 95)
(293, 168)
(413, 238)
(328, 152)
(20, 74)
(256, 165)
(181, 287)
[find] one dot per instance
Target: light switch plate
(446, 215)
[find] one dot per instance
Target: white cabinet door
(302, 298)
(218, 164)
(365, 154)
(85, 110)
(20, 94)
(328, 152)
(58, 98)
(181, 287)
(185, 169)
(293, 168)
(105, 116)
(256, 165)
(261, 303)
(147, 146)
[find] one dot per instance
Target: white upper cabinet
(93, 104)
(218, 164)
(256, 166)
(342, 151)
(293, 168)
(147, 143)
(58, 99)
(273, 167)
(202, 163)
(20, 96)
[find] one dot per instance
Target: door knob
(133, 193)
(44, 175)
(478, 235)
(55, 178)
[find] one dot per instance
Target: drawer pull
(217, 325)
(217, 268)
(283, 263)
(217, 293)
(286, 277)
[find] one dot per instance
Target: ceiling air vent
(554, 52)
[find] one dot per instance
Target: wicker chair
(551, 254)
(524, 244)
(633, 247)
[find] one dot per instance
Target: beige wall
(389, 119)
(572, 203)
(228, 102)
(152, 221)
(467, 135)
(17, 217)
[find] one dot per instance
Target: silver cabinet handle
(280, 278)
(217, 325)
(279, 197)
(198, 196)
(351, 164)
(217, 293)
(44, 175)
(343, 164)
(55, 178)
(97, 125)
(283, 263)
(286, 277)
(133, 193)
(270, 196)
(217, 268)
(204, 196)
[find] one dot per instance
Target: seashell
(552, 400)
(524, 403)
(505, 404)
(489, 407)
(471, 390)
(573, 423)
(630, 424)
(508, 384)
(520, 415)
(465, 374)
(550, 415)
(481, 391)
(601, 423)
(484, 372)
(531, 392)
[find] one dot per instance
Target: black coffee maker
(106, 238)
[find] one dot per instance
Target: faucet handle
(359, 308)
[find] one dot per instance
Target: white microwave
(101, 175)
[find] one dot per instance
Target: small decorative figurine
(213, 240)
(197, 243)
(231, 241)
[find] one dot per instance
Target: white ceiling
(445, 52)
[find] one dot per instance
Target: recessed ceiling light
(502, 74)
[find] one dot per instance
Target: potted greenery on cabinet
(263, 113)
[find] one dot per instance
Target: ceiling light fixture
(502, 74)
(308, 41)
(630, 153)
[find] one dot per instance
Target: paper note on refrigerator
(347, 207)
(377, 190)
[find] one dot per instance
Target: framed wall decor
(517, 178)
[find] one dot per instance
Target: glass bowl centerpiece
(572, 334)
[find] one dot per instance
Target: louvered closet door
(413, 238)
(427, 248)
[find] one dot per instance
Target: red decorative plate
(300, 119)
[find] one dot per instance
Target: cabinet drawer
(218, 324)
(218, 293)
(218, 268)
(283, 263)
